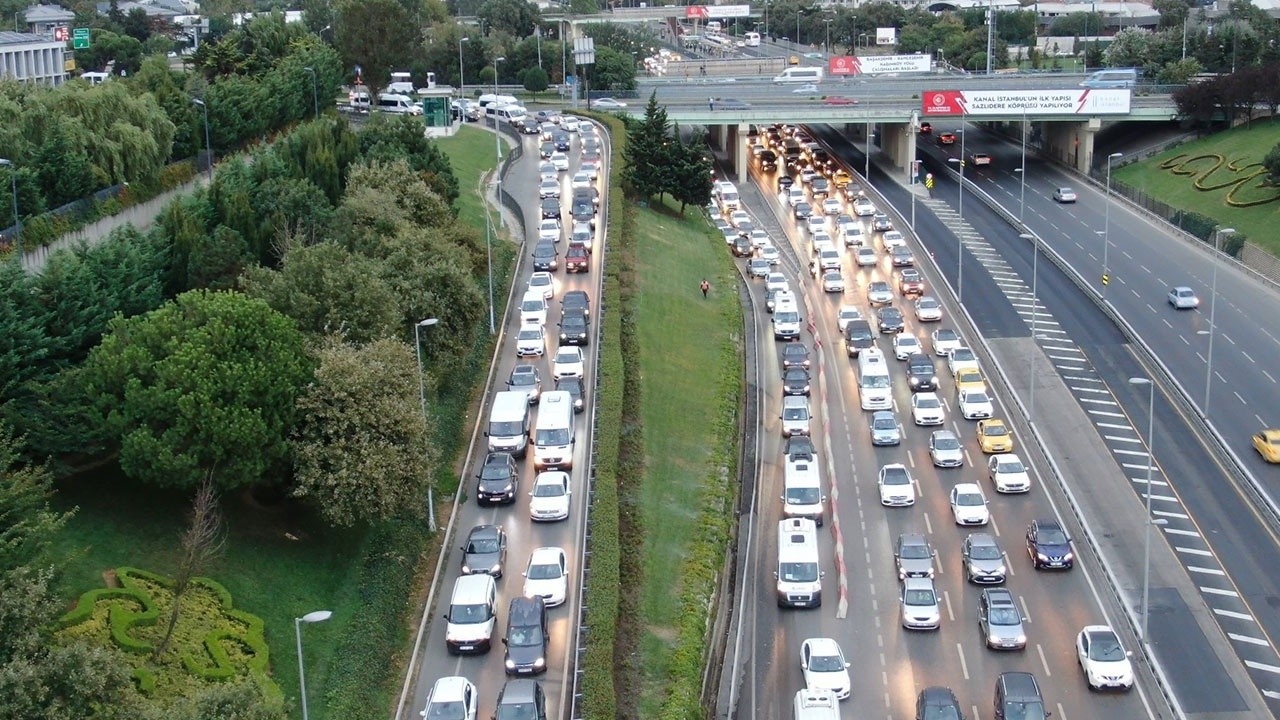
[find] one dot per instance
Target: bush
(535, 79)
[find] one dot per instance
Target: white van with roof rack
(799, 578)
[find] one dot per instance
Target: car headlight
(508, 488)
(933, 379)
(564, 336)
(1068, 557)
(540, 662)
(466, 569)
(806, 388)
(1022, 639)
(511, 664)
(1042, 556)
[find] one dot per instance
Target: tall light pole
(827, 22)
(1022, 192)
(866, 172)
(488, 241)
(1035, 311)
(422, 399)
(1106, 226)
(1151, 442)
(991, 32)
(1213, 307)
(208, 148)
(766, 18)
(315, 94)
(462, 77)
(311, 617)
(17, 220)
(497, 134)
(960, 211)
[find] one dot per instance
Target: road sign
(61, 34)
(928, 180)
(1106, 279)
(80, 39)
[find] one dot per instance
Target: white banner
(878, 64)
(887, 36)
(1031, 102)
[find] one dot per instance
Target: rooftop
(8, 37)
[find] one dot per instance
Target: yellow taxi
(994, 436)
(969, 379)
(841, 178)
(793, 60)
(1267, 443)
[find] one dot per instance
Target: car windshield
(495, 472)
(568, 357)
(524, 636)
(884, 423)
(984, 552)
(795, 413)
(522, 379)
(445, 711)
(946, 442)
(1052, 536)
(505, 429)
(1105, 648)
(927, 403)
(529, 335)
(896, 476)
(544, 572)
(1010, 466)
(927, 304)
(1004, 616)
(976, 397)
(484, 545)
(941, 712)
(787, 317)
(826, 663)
(533, 306)
(463, 614)
(875, 381)
(798, 572)
(803, 496)
(969, 499)
(919, 598)
(915, 552)
(517, 711)
(1014, 710)
(995, 430)
(556, 436)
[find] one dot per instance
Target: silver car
(999, 621)
(884, 428)
(879, 293)
(913, 556)
(919, 605)
(758, 268)
(945, 449)
(983, 560)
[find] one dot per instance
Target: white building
(29, 58)
(43, 19)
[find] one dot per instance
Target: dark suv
(576, 299)
(921, 375)
(526, 638)
(545, 256)
(551, 208)
(521, 700)
(1048, 545)
(574, 328)
(499, 480)
(858, 337)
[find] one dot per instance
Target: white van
(533, 308)
(799, 75)
(875, 385)
(402, 82)
(786, 321)
(816, 705)
(508, 429)
(95, 78)
(553, 436)
(509, 114)
(472, 614)
(398, 104)
(799, 579)
(1115, 78)
(751, 39)
(802, 491)
(496, 100)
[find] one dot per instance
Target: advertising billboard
(1076, 101)
(704, 12)
(877, 64)
(887, 36)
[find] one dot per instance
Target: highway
(890, 664)
(1216, 532)
(431, 657)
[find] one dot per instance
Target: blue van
(1114, 78)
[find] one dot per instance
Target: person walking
(705, 287)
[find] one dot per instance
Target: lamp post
(462, 77)
(311, 617)
(1213, 307)
(1106, 225)
(315, 94)
(497, 139)
(827, 22)
(861, 38)
(1151, 441)
(13, 182)
(1035, 311)
(422, 399)
(1022, 171)
(208, 148)
(766, 18)
(960, 211)
(488, 242)
(866, 172)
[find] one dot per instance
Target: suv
(921, 375)
(1018, 697)
(551, 208)
(545, 256)
(526, 638)
(575, 327)
(521, 700)
(1048, 545)
(576, 259)
(498, 480)
(576, 300)
(795, 355)
(1000, 621)
(858, 337)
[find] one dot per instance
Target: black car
(584, 212)
(499, 480)
(821, 160)
(799, 447)
(742, 247)
(526, 638)
(561, 141)
(921, 375)
(545, 256)
(584, 194)
(485, 551)
(795, 355)
(819, 187)
(858, 337)
(795, 381)
(890, 319)
(802, 210)
(574, 328)
(573, 386)
(546, 149)
(521, 700)
(769, 160)
(938, 703)
(551, 208)
(729, 104)
(1049, 546)
(529, 126)
(785, 182)
(576, 300)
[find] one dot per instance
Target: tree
(1076, 24)
(136, 25)
(377, 35)
(535, 79)
(1272, 163)
(613, 70)
(1198, 102)
(62, 166)
(646, 151)
(691, 180)
(1173, 13)
(1180, 72)
(387, 139)
(1130, 48)
(203, 385)
(381, 200)
(515, 18)
(202, 541)
(434, 273)
(362, 451)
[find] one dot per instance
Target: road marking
(1163, 498)
(1219, 591)
(1139, 453)
(1026, 614)
(1264, 372)
(1134, 466)
(1112, 403)
(1166, 513)
(1065, 348)
(1238, 396)
(1192, 551)
(964, 666)
(1185, 533)
(1206, 571)
(1117, 438)
(1262, 666)
(1246, 356)
(1077, 378)
(1105, 414)
(1252, 641)
(1144, 481)
(1043, 661)
(1113, 425)
(947, 597)
(1234, 614)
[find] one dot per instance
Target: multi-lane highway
(861, 589)
(432, 660)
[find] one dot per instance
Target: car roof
(546, 555)
(985, 539)
(912, 539)
(519, 691)
(449, 689)
(823, 646)
(917, 583)
(484, 531)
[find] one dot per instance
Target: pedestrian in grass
(705, 287)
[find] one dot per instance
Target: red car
(947, 138)
(926, 128)
(576, 259)
(839, 100)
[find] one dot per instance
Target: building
(43, 19)
(29, 58)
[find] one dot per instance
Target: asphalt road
(890, 665)
(1216, 531)
(523, 536)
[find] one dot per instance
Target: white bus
(752, 39)
(553, 434)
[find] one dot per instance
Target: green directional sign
(80, 39)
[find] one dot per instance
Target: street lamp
(422, 399)
(1035, 312)
(311, 617)
(1022, 192)
(1213, 307)
(315, 96)
(766, 18)
(13, 181)
(827, 22)
(497, 140)
(861, 38)
(1151, 441)
(462, 78)
(866, 172)
(1106, 225)
(208, 148)
(960, 211)
(488, 242)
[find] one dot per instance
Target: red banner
(842, 65)
(698, 12)
(943, 102)
(60, 34)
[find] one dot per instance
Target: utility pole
(991, 33)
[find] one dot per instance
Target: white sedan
(1008, 474)
(547, 576)
(1183, 298)
(567, 363)
(560, 160)
(847, 314)
(926, 409)
(944, 341)
(1064, 195)
(580, 181)
(969, 505)
(776, 281)
(607, 103)
(865, 256)
(569, 123)
(862, 207)
(547, 171)
(549, 229)
(962, 358)
(905, 345)
(530, 341)
(453, 697)
(1103, 659)
(975, 404)
(832, 281)
(832, 206)
(770, 253)
(893, 239)
(824, 667)
(549, 499)
(896, 486)
(543, 282)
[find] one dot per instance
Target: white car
(832, 206)
(862, 207)
(944, 341)
(533, 310)
(1103, 659)
(945, 449)
(893, 239)
(824, 667)
(776, 281)
(962, 358)
(560, 160)
(821, 239)
(905, 345)
(896, 486)
(547, 576)
(739, 217)
(795, 415)
(549, 229)
(865, 256)
(543, 282)
(607, 103)
(580, 180)
(452, 697)
(816, 224)
(879, 293)
(969, 505)
(569, 123)
(592, 169)
(530, 341)
(760, 238)
(926, 409)
(547, 171)
(1008, 474)
(832, 281)
(567, 363)
(828, 258)
(549, 499)
(1183, 298)
(928, 309)
(1064, 195)
(975, 404)
(847, 314)
(852, 236)
(549, 189)
(770, 253)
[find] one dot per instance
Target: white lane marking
(1144, 481)
(1234, 614)
(1238, 396)
(1219, 591)
(1184, 533)
(1065, 348)
(1246, 356)
(1166, 513)
(1264, 372)
(1112, 403)
(1206, 571)
(1117, 438)
(1262, 666)
(1115, 426)
(1192, 551)
(1077, 378)
(1134, 466)
(1248, 639)
(1104, 413)
(1164, 498)
(964, 666)
(1043, 661)
(1130, 452)
(1026, 614)
(947, 597)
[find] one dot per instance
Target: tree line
(659, 161)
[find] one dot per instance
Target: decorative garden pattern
(1247, 180)
(212, 641)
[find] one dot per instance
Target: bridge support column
(1071, 143)
(738, 136)
(715, 136)
(899, 142)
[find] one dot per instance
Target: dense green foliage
(660, 162)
